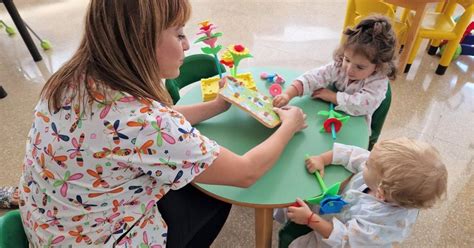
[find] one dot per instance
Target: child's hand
(281, 100)
(300, 215)
(325, 95)
(315, 163)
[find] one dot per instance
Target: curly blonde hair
(411, 173)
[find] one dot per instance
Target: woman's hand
(315, 163)
(325, 95)
(301, 214)
(292, 117)
(223, 104)
(281, 100)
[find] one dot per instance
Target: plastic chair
(194, 68)
(378, 118)
(441, 26)
(12, 234)
(358, 9)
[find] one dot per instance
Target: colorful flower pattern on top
(90, 176)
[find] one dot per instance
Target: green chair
(378, 117)
(289, 232)
(194, 68)
(12, 234)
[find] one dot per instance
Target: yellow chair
(358, 9)
(439, 26)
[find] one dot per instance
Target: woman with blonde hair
(105, 147)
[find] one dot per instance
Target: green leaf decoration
(201, 39)
(218, 34)
(210, 50)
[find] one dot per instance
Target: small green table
(288, 179)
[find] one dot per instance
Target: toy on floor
(256, 104)
(329, 201)
(10, 31)
(466, 45)
(272, 78)
(210, 39)
(45, 44)
(334, 121)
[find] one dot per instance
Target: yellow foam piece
(247, 79)
(210, 86)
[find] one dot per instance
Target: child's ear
(379, 194)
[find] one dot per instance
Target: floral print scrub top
(91, 178)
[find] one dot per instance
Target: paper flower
(227, 59)
(210, 39)
(206, 28)
(238, 52)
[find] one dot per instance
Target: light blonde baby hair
(411, 172)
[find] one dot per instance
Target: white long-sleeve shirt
(365, 221)
(356, 98)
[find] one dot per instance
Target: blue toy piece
(331, 205)
(272, 78)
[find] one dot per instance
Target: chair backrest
(358, 9)
(463, 21)
(194, 68)
(12, 234)
(378, 117)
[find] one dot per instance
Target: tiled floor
(293, 33)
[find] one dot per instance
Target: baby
(390, 185)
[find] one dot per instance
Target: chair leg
(20, 25)
(447, 56)
(413, 52)
(3, 93)
(434, 45)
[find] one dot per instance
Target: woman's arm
(242, 171)
(202, 111)
(196, 113)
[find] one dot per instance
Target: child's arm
(309, 82)
(292, 91)
(304, 216)
(318, 162)
(351, 157)
(371, 227)
(366, 100)
(318, 78)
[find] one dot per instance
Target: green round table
(239, 132)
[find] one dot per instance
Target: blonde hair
(118, 50)
(411, 172)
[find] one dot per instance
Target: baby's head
(406, 172)
(368, 48)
